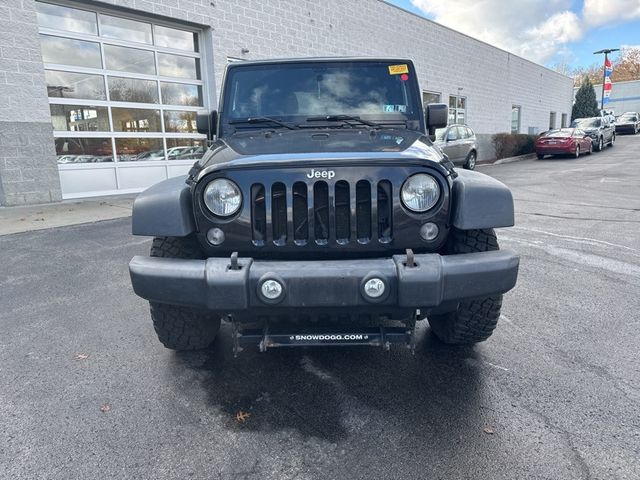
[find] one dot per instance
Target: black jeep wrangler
(322, 214)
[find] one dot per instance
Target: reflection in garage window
(174, 38)
(180, 121)
(135, 120)
(178, 66)
(80, 118)
(184, 148)
(137, 149)
(65, 51)
(110, 68)
(83, 150)
(125, 29)
(132, 90)
(65, 18)
(132, 60)
(180, 94)
(75, 85)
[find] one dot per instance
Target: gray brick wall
(491, 79)
(28, 171)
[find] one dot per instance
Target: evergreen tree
(586, 104)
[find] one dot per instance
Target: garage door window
(120, 89)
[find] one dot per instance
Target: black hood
(327, 146)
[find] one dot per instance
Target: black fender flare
(164, 210)
(480, 201)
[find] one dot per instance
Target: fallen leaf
(81, 356)
(105, 408)
(242, 417)
(488, 430)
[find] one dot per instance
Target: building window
(457, 109)
(563, 121)
(552, 120)
(515, 118)
(430, 97)
(120, 89)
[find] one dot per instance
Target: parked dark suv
(322, 214)
(628, 122)
(458, 142)
(601, 131)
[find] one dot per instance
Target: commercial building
(625, 96)
(100, 97)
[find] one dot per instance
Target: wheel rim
(590, 147)
(472, 160)
(613, 140)
(600, 144)
(577, 151)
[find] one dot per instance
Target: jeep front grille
(321, 212)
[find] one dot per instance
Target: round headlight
(222, 197)
(420, 192)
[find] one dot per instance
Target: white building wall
(491, 79)
(625, 96)
(447, 62)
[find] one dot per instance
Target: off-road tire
(181, 328)
(474, 320)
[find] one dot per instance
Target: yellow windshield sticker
(398, 69)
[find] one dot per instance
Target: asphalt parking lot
(87, 391)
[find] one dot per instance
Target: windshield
(586, 123)
(381, 92)
(627, 118)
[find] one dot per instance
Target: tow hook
(410, 261)
(234, 262)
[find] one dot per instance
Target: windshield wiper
(264, 120)
(341, 118)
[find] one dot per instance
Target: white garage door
(123, 94)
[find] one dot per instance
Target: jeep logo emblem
(328, 174)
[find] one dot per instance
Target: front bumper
(214, 285)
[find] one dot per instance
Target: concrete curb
(68, 212)
(519, 158)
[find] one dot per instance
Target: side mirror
(206, 123)
(436, 115)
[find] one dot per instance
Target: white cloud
(527, 27)
(601, 12)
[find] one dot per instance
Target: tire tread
(474, 320)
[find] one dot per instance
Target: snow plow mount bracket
(269, 337)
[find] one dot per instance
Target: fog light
(215, 236)
(374, 288)
(429, 231)
(271, 289)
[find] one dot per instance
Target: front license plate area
(373, 337)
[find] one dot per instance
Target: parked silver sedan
(459, 143)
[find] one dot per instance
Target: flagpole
(604, 80)
(606, 52)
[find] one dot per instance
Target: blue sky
(550, 32)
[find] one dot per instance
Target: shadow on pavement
(331, 393)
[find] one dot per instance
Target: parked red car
(563, 141)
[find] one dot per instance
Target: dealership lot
(87, 391)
